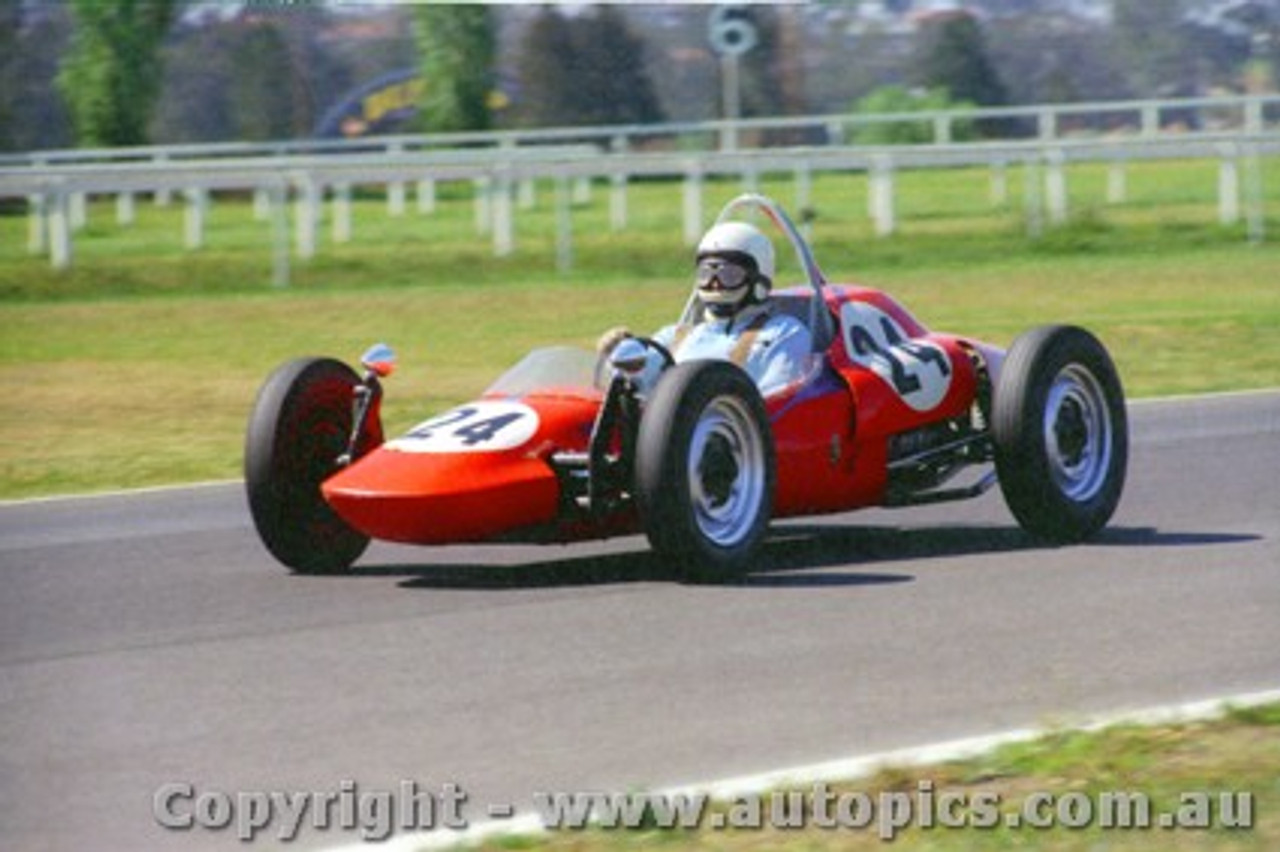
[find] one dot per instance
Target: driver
(737, 321)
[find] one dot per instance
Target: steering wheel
(604, 367)
(668, 360)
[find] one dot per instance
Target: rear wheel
(705, 470)
(299, 427)
(1061, 433)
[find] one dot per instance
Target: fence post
(342, 213)
(999, 183)
(526, 193)
(1253, 122)
(427, 195)
(396, 196)
(60, 230)
(396, 190)
(124, 208)
(564, 225)
(307, 216)
(1033, 200)
(618, 202)
(1228, 185)
(481, 188)
(504, 237)
(942, 129)
(1117, 183)
(1257, 221)
(582, 190)
(262, 201)
(37, 223)
(165, 195)
(881, 190)
(1150, 119)
(692, 206)
(1047, 123)
(194, 218)
(79, 210)
(277, 208)
(804, 187)
(1055, 187)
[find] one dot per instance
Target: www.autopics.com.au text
(376, 814)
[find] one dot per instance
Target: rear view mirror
(379, 359)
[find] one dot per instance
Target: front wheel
(704, 470)
(1061, 433)
(300, 425)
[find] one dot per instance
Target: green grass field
(138, 365)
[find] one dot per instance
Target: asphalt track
(147, 639)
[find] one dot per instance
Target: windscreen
(558, 367)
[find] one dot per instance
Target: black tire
(299, 427)
(1061, 433)
(704, 471)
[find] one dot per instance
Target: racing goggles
(727, 272)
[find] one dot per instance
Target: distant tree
(9, 21)
(614, 87)
(10, 40)
(896, 99)
(1150, 39)
(32, 39)
(951, 53)
(458, 46)
(589, 69)
(1268, 60)
(1054, 59)
(262, 90)
(111, 76)
(268, 71)
(549, 73)
(196, 104)
(762, 90)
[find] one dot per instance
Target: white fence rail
(290, 190)
(1145, 118)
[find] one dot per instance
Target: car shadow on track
(789, 557)
(797, 556)
(1152, 537)
(812, 555)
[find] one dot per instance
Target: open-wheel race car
(572, 444)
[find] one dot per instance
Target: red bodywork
(880, 377)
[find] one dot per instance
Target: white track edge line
(122, 492)
(843, 769)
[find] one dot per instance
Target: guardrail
(503, 177)
(1144, 118)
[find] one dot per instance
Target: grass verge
(1194, 785)
(139, 365)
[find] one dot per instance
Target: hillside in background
(235, 71)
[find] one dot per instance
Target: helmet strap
(760, 288)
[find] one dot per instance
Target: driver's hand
(611, 338)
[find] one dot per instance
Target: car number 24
(482, 426)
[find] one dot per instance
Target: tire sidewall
(662, 491)
(1034, 362)
(293, 520)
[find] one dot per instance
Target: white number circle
(478, 427)
(919, 371)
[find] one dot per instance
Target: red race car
(571, 445)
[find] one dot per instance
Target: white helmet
(730, 237)
(735, 267)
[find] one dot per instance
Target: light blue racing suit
(774, 349)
